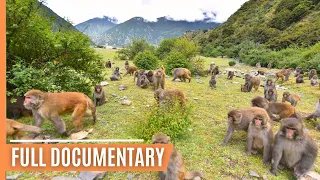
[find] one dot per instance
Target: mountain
(152, 32)
(96, 26)
(59, 21)
(276, 24)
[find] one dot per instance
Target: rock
(122, 87)
(253, 174)
(104, 83)
(126, 102)
(130, 176)
(14, 177)
(196, 99)
(87, 175)
(125, 97)
(264, 177)
(235, 82)
(90, 131)
(79, 135)
(197, 178)
(200, 82)
(101, 174)
(114, 95)
(313, 175)
(65, 178)
(167, 76)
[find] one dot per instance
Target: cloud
(190, 10)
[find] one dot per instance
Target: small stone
(104, 83)
(14, 177)
(122, 87)
(130, 176)
(87, 175)
(264, 177)
(126, 102)
(196, 99)
(114, 95)
(235, 82)
(253, 174)
(65, 178)
(125, 97)
(313, 175)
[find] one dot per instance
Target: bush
(176, 60)
(146, 60)
(171, 120)
(232, 63)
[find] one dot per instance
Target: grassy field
(200, 146)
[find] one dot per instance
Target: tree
(146, 60)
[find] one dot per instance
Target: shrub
(146, 60)
(232, 63)
(169, 119)
(176, 60)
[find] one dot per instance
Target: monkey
(245, 87)
(260, 72)
(252, 82)
(131, 70)
(316, 113)
(144, 82)
(215, 71)
(176, 167)
(258, 65)
(312, 73)
(282, 109)
(240, 120)
(162, 96)
(209, 71)
(298, 71)
(269, 66)
(52, 105)
(293, 148)
(299, 79)
(292, 98)
(17, 129)
(99, 98)
(269, 85)
(314, 81)
(213, 81)
(126, 63)
(284, 74)
(116, 76)
(230, 75)
(149, 75)
(16, 110)
(137, 75)
(260, 136)
(272, 95)
(159, 78)
(182, 74)
(108, 64)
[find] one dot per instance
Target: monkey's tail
(91, 107)
(193, 174)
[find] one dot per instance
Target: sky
(78, 11)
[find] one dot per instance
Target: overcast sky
(78, 11)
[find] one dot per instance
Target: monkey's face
(117, 69)
(315, 77)
(98, 88)
(258, 121)
(269, 82)
(158, 73)
(30, 102)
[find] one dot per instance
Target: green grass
(200, 146)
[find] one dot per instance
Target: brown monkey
(209, 71)
(316, 113)
(159, 78)
(131, 70)
(298, 71)
(216, 71)
(312, 73)
(252, 82)
(284, 110)
(16, 129)
(244, 87)
(51, 105)
(292, 98)
(176, 168)
(137, 75)
(260, 72)
(213, 81)
(108, 64)
(144, 82)
(240, 120)
(272, 95)
(126, 63)
(116, 76)
(99, 98)
(182, 74)
(258, 65)
(149, 75)
(299, 79)
(314, 81)
(284, 74)
(230, 75)
(162, 96)
(16, 110)
(293, 148)
(260, 136)
(269, 66)
(269, 85)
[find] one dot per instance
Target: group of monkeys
(290, 147)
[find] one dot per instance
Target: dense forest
(284, 32)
